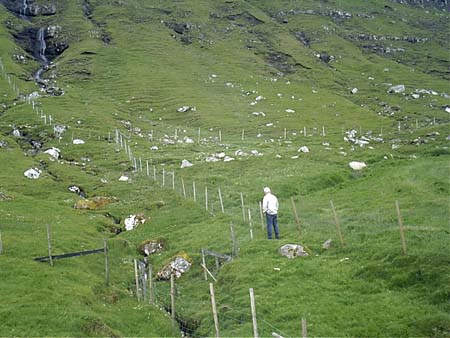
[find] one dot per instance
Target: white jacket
(270, 204)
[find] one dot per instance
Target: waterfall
(25, 7)
(42, 46)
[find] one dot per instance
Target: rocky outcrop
(439, 4)
(30, 7)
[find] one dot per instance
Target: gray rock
(396, 89)
(327, 244)
(3, 144)
(292, 250)
(176, 267)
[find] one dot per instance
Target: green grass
(140, 79)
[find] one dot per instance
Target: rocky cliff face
(440, 4)
(30, 7)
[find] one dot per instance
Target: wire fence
(316, 220)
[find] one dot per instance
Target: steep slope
(236, 88)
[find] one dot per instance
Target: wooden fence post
(193, 191)
(163, 177)
(150, 284)
(250, 224)
(336, 221)
(154, 173)
(234, 249)
(206, 198)
(253, 307)
(400, 223)
(136, 279)
(1, 243)
(49, 244)
(243, 208)
(221, 201)
(304, 330)
(183, 188)
(204, 263)
(105, 250)
(297, 219)
(261, 215)
(172, 298)
(173, 180)
(214, 309)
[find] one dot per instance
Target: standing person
(270, 208)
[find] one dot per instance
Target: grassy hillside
(260, 79)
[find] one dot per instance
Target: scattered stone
(292, 250)
(396, 89)
(4, 197)
(94, 203)
(33, 173)
(357, 165)
(151, 247)
(154, 148)
(228, 159)
(185, 109)
(78, 141)
(123, 178)
(290, 111)
(185, 164)
(303, 149)
(16, 133)
(53, 152)
(327, 244)
(354, 91)
(133, 221)
(3, 144)
(179, 265)
(77, 190)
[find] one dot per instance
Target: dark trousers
(272, 221)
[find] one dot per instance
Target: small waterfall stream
(42, 46)
(23, 12)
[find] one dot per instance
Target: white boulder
(53, 152)
(32, 173)
(123, 178)
(133, 221)
(303, 149)
(185, 164)
(396, 89)
(292, 250)
(357, 165)
(78, 141)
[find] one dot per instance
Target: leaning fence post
(400, 223)
(214, 309)
(183, 187)
(49, 244)
(136, 279)
(336, 221)
(253, 307)
(243, 208)
(105, 250)
(297, 219)
(221, 201)
(204, 263)
(172, 298)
